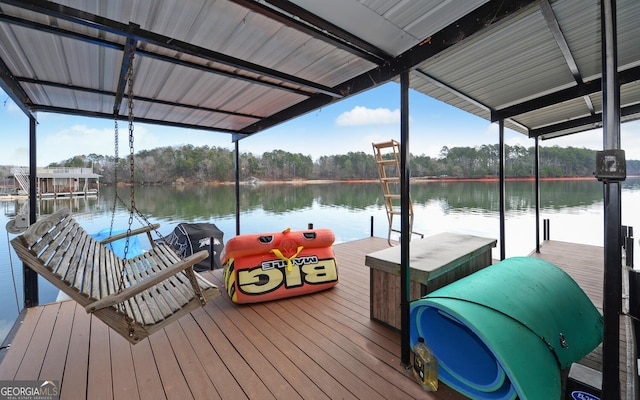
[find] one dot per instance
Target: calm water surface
(575, 209)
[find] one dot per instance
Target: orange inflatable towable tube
(270, 266)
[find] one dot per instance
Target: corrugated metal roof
(519, 60)
(241, 66)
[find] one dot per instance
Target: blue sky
(349, 125)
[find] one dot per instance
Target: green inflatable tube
(506, 331)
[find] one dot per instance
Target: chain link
(129, 79)
(115, 172)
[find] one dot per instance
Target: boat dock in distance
(58, 182)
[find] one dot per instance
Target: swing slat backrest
(156, 289)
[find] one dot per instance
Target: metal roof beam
(127, 59)
(451, 90)
(547, 100)
(554, 27)
(304, 21)
(59, 31)
(22, 79)
(312, 103)
(561, 41)
(464, 97)
(96, 114)
(583, 124)
(624, 77)
(484, 16)
(136, 98)
(104, 24)
(69, 14)
(10, 85)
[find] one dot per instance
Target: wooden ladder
(387, 155)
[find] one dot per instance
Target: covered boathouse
(545, 68)
(59, 181)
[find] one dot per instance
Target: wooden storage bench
(435, 262)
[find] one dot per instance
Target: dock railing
(64, 170)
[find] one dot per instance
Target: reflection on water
(574, 208)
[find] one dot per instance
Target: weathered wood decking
(318, 346)
(312, 347)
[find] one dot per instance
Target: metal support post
(502, 191)
(29, 276)
(405, 235)
(237, 160)
(612, 297)
(537, 194)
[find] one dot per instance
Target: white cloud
(360, 115)
(77, 140)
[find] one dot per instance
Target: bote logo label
(580, 395)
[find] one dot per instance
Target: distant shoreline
(333, 181)
(419, 179)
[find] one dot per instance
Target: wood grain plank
(99, 378)
(251, 382)
(52, 251)
(34, 357)
(349, 355)
(55, 359)
(270, 347)
(146, 370)
(277, 385)
(173, 380)
(168, 298)
(77, 267)
(224, 382)
(92, 265)
(20, 343)
(190, 365)
(142, 307)
(125, 386)
(60, 266)
(97, 277)
(52, 236)
(44, 224)
(85, 265)
(74, 380)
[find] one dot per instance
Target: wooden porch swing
(136, 296)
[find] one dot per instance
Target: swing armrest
(134, 232)
(131, 291)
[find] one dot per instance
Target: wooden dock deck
(319, 346)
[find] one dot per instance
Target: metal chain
(133, 209)
(129, 79)
(115, 171)
(116, 161)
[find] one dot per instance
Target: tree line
(189, 163)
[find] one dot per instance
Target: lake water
(574, 208)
